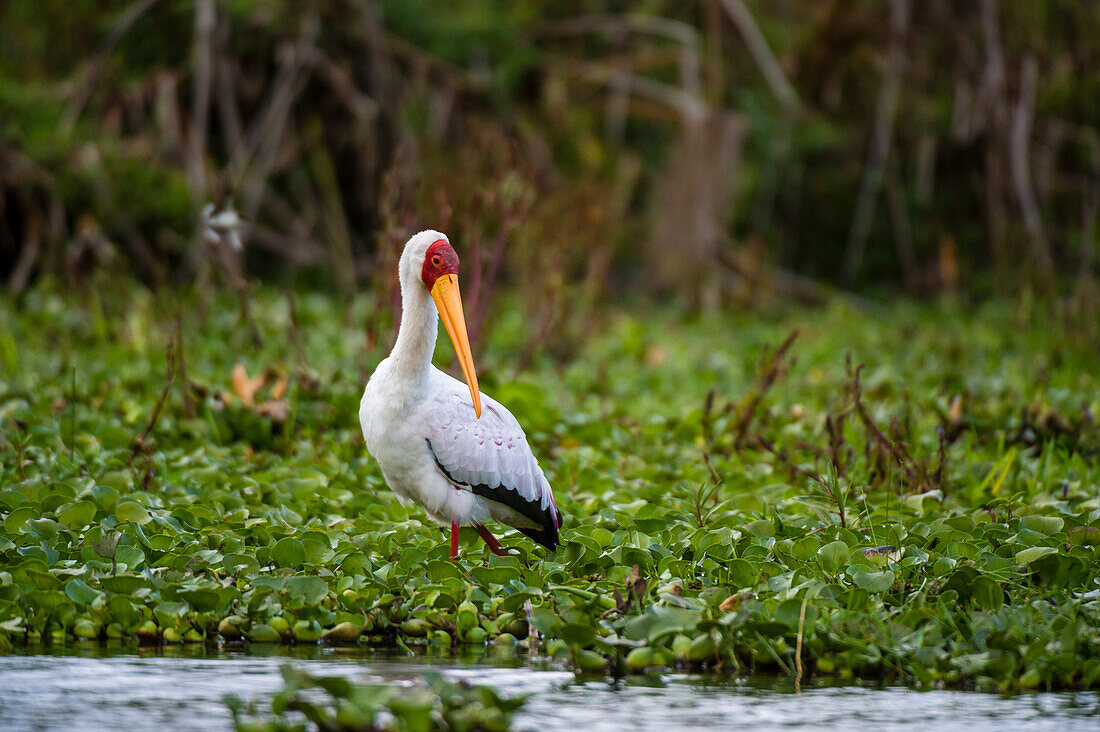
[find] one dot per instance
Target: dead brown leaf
(734, 602)
(277, 410)
(244, 387)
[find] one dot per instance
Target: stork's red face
(440, 275)
(440, 259)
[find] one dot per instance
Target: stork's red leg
(491, 540)
(454, 539)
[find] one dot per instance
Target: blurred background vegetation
(711, 151)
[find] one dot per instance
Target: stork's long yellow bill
(448, 300)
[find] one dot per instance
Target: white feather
(409, 404)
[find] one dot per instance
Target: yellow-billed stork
(458, 453)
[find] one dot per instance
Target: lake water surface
(96, 687)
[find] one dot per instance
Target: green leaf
(742, 573)
(234, 563)
(545, 620)
(105, 496)
(987, 593)
(1045, 525)
(203, 599)
(80, 593)
(659, 621)
(289, 552)
(130, 511)
(263, 633)
(13, 524)
(761, 528)
(806, 548)
(833, 556)
(48, 600)
(305, 590)
(578, 635)
(494, 575)
(316, 552)
(971, 663)
(874, 581)
(168, 612)
(131, 556)
(440, 569)
(123, 583)
(1084, 536)
(1029, 555)
(77, 515)
(789, 612)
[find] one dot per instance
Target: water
(94, 687)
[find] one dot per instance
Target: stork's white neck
(411, 358)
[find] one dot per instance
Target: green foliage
(332, 125)
(967, 560)
(334, 703)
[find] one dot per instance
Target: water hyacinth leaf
(13, 524)
(80, 593)
(1084, 536)
(131, 556)
(306, 590)
(288, 552)
(48, 600)
(1027, 556)
(874, 581)
(790, 611)
(132, 512)
(203, 599)
(210, 556)
(77, 515)
(494, 575)
(105, 496)
(1046, 525)
(761, 528)
(168, 612)
(439, 569)
(123, 610)
(659, 621)
(741, 573)
(943, 565)
(578, 635)
(987, 593)
(1052, 569)
(833, 556)
(972, 663)
(922, 502)
(316, 552)
(238, 506)
(44, 528)
(234, 563)
(106, 545)
(263, 633)
(806, 548)
(161, 542)
(124, 584)
(545, 621)
(515, 600)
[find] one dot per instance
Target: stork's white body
(420, 425)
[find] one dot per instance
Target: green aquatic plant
(932, 517)
(334, 703)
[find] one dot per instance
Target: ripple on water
(183, 691)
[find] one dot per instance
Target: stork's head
(430, 257)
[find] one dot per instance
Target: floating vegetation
(338, 704)
(925, 510)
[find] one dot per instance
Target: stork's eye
(436, 261)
